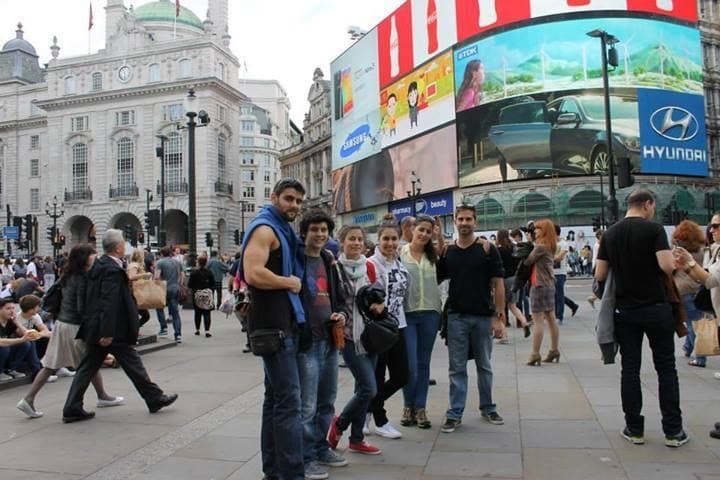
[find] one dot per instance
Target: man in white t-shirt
(560, 269)
(31, 271)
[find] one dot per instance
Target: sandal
(695, 363)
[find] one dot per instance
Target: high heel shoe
(552, 356)
(526, 330)
(534, 359)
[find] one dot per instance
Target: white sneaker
(52, 379)
(111, 403)
(28, 410)
(4, 377)
(366, 426)
(16, 374)
(387, 431)
(717, 375)
(64, 372)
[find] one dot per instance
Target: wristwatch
(690, 265)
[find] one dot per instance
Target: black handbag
(380, 335)
(266, 341)
(703, 301)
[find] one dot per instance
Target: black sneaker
(634, 438)
(450, 425)
(494, 418)
(678, 440)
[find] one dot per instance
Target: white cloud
(279, 39)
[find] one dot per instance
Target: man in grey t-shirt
(170, 270)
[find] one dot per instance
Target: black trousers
(204, 315)
(396, 362)
(631, 325)
(130, 362)
(218, 291)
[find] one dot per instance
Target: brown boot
(408, 417)
(421, 418)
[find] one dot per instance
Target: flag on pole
(177, 8)
(90, 19)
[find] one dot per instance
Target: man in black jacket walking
(111, 326)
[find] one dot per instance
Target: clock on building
(124, 73)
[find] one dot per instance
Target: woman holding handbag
(542, 291)
(136, 271)
(201, 284)
(359, 272)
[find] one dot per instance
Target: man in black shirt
(476, 306)
(637, 252)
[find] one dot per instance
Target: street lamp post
(161, 154)
(413, 194)
(191, 125)
(148, 199)
(605, 40)
(54, 215)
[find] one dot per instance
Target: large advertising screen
(395, 45)
(434, 28)
(530, 101)
(419, 102)
(385, 177)
(355, 103)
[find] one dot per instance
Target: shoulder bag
(204, 299)
(149, 294)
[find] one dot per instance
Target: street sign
(11, 232)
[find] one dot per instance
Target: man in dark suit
(111, 326)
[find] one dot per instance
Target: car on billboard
(566, 135)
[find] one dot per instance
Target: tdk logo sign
(355, 140)
(675, 123)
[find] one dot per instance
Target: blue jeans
(464, 332)
(18, 357)
(281, 435)
(422, 328)
(362, 368)
(172, 303)
(318, 369)
(560, 299)
(692, 314)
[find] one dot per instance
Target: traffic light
(127, 232)
(51, 234)
(61, 240)
(141, 237)
(624, 172)
(147, 223)
(28, 225)
(208, 239)
(18, 222)
(133, 235)
(236, 233)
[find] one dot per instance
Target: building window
(267, 192)
(266, 159)
(246, 141)
(70, 85)
(247, 125)
(34, 167)
(185, 68)
(172, 113)
(34, 110)
(97, 81)
(34, 199)
(79, 124)
(248, 207)
(79, 167)
(248, 161)
(246, 110)
(249, 192)
(222, 72)
(248, 176)
(125, 165)
(222, 111)
(34, 141)
(154, 72)
(173, 159)
(267, 177)
(267, 143)
(221, 157)
(126, 117)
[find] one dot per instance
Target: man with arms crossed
(637, 251)
(272, 267)
(475, 315)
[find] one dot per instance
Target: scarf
(356, 270)
(291, 247)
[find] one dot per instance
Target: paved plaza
(562, 420)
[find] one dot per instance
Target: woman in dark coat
(200, 279)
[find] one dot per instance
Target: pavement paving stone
(172, 468)
(221, 447)
(475, 465)
(575, 464)
(7, 474)
(485, 442)
(674, 471)
(564, 434)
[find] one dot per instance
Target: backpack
(204, 299)
(52, 299)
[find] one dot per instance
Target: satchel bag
(204, 299)
(380, 334)
(706, 337)
(183, 294)
(703, 300)
(52, 299)
(266, 341)
(149, 294)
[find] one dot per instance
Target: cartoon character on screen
(389, 121)
(470, 93)
(413, 98)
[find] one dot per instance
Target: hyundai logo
(675, 123)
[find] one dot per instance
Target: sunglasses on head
(714, 226)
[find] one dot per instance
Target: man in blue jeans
(272, 266)
(637, 251)
(326, 309)
(560, 269)
(475, 315)
(170, 270)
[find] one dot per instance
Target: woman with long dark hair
(422, 313)
(201, 279)
(542, 291)
(64, 350)
(470, 92)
